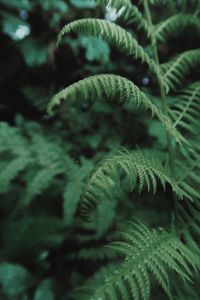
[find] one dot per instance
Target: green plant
(146, 251)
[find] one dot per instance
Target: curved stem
(161, 87)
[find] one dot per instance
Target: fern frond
(9, 171)
(73, 190)
(141, 168)
(147, 252)
(127, 12)
(185, 112)
(188, 173)
(110, 85)
(175, 24)
(175, 70)
(111, 33)
(189, 224)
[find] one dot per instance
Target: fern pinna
(146, 252)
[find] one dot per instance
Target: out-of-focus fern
(34, 160)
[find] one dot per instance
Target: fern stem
(161, 87)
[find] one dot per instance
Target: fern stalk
(161, 87)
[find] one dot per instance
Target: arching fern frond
(113, 34)
(185, 112)
(147, 253)
(128, 12)
(175, 24)
(141, 168)
(175, 70)
(110, 85)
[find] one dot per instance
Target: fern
(34, 161)
(174, 24)
(185, 111)
(140, 167)
(111, 85)
(175, 70)
(147, 252)
(112, 33)
(188, 174)
(128, 12)
(185, 114)
(189, 224)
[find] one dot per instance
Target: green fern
(111, 85)
(35, 161)
(175, 24)
(186, 109)
(147, 252)
(112, 33)
(188, 174)
(189, 224)
(140, 167)
(128, 12)
(175, 70)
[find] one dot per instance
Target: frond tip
(109, 85)
(111, 33)
(147, 252)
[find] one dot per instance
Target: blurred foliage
(46, 251)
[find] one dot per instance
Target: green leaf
(34, 52)
(44, 291)
(14, 279)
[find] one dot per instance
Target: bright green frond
(113, 34)
(141, 168)
(147, 253)
(175, 70)
(109, 85)
(175, 24)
